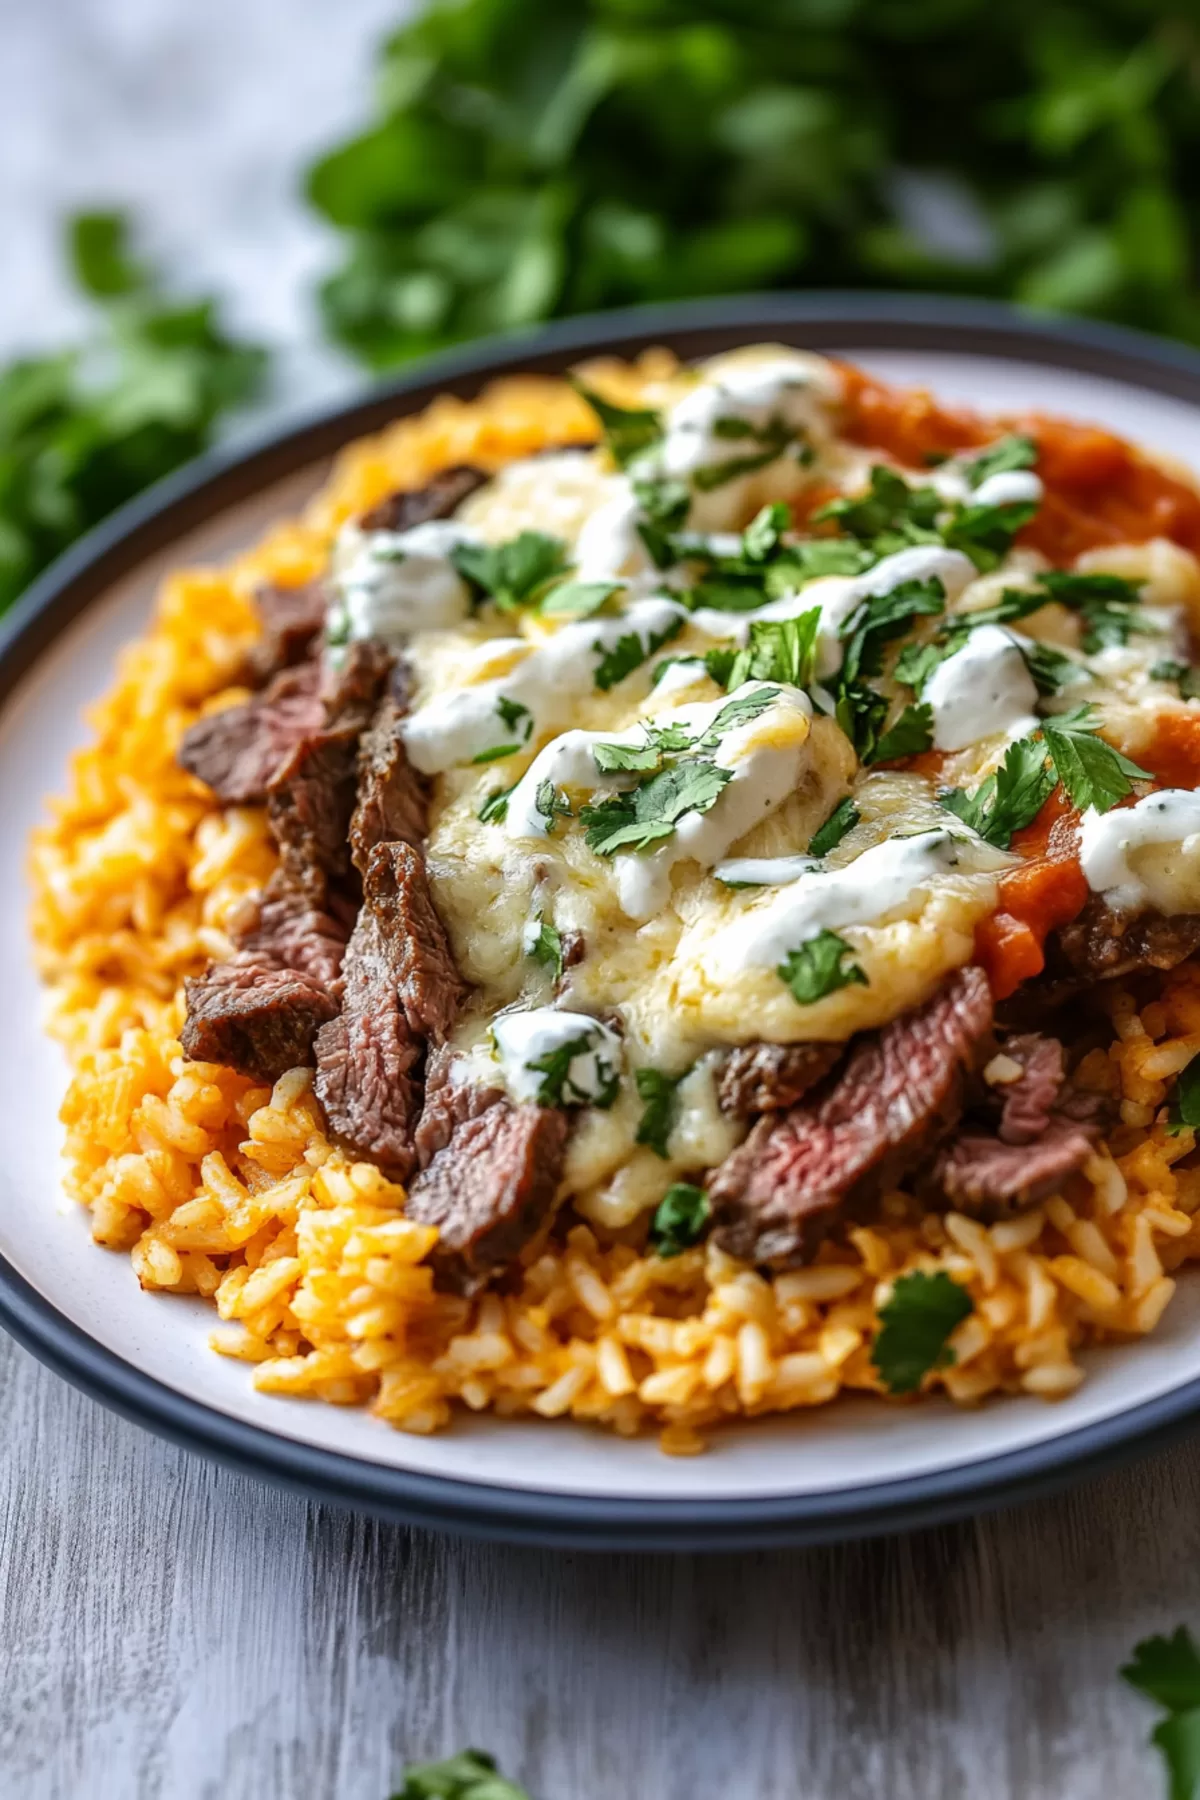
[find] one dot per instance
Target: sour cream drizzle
(982, 690)
(389, 584)
(1106, 841)
(525, 1038)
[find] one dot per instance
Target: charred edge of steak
(393, 799)
(291, 620)
(256, 1019)
(1100, 944)
(489, 1190)
(900, 1092)
(440, 496)
(758, 1078)
(400, 988)
(240, 750)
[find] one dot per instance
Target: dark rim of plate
(152, 523)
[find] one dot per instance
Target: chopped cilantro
(515, 573)
(916, 662)
(1107, 604)
(815, 969)
(680, 1219)
(912, 733)
(1006, 453)
(1009, 799)
(558, 1089)
(628, 430)
(1188, 678)
(657, 1092)
(764, 533)
(843, 818)
(772, 440)
(1051, 669)
(985, 533)
(613, 759)
(882, 617)
(471, 1775)
(888, 506)
(578, 599)
(736, 712)
(860, 711)
(1184, 1099)
(1091, 771)
(915, 1325)
(629, 653)
(544, 944)
(778, 650)
(1167, 1671)
(665, 506)
(514, 717)
(495, 808)
(551, 804)
(1014, 603)
(674, 662)
(636, 820)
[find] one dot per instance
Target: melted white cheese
(389, 584)
(860, 893)
(1107, 841)
(982, 690)
(524, 1039)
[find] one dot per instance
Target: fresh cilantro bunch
(1167, 1671)
(527, 158)
(471, 1775)
(85, 430)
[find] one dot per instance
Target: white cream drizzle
(982, 690)
(1107, 840)
(390, 584)
(525, 1038)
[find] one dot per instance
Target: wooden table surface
(170, 1631)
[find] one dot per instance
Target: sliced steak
(254, 1018)
(757, 1078)
(449, 1103)
(239, 751)
(442, 495)
(400, 989)
(980, 1174)
(1028, 1102)
(259, 1011)
(393, 800)
(312, 797)
(1102, 944)
(490, 1189)
(291, 621)
(900, 1092)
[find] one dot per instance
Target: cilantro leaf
(544, 944)
(808, 561)
(882, 617)
(639, 819)
(736, 712)
(915, 1325)
(1013, 452)
(778, 650)
(578, 599)
(628, 430)
(985, 533)
(657, 1092)
(912, 733)
(557, 1087)
(1179, 1740)
(512, 574)
(1108, 605)
(1011, 798)
(1091, 771)
(1166, 1670)
(916, 663)
(843, 818)
(764, 533)
(629, 653)
(614, 759)
(551, 804)
(889, 505)
(772, 440)
(1187, 677)
(1051, 669)
(1184, 1102)
(815, 969)
(471, 1775)
(680, 1219)
(860, 711)
(495, 808)
(1014, 603)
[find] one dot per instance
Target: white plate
(860, 1464)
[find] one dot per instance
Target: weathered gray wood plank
(169, 1631)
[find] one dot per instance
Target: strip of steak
(980, 1174)
(312, 797)
(757, 1078)
(442, 495)
(393, 800)
(448, 1103)
(900, 1092)
(291, 620)
(259, 1011)
(1028, 1102)
(490, 1189)
(1102, 944)
(239, 751)
(400, 989)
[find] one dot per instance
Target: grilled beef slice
(260, 1010)
(757, 1078)
(400, 990)
(442, 495)
(239, 751)
(448, 1103)
(1102, 944)
(393, 800)
(291, 620)
(311, 799)
(489, 1189)
(900, 1093)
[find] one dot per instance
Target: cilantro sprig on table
(471, 1775)
(1167, 1671)
(916, 1323)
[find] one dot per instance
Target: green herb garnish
(578, 599)
(495, 808)
(909, 736)
(843, 818)
(1091, 771)
(1183, 1102)
(1167, 1671)
(629, 653)
(1108, 605)
(658, 1094)
(777, 650)
(1009, 799)
(680, 1219)
(1006, 453)
(889, 507)
(512, 574)
(915, 1325)
(629, 431)
(551, 804)
(471, 1775)
(558, 1089)
(650, 812)
(544, 945)
(818, 968)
